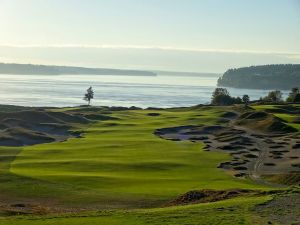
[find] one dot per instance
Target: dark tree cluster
(221, 96)
(294, 95)
(273, 96)
(276, 96)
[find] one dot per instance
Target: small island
(281, 76)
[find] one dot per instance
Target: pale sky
(181, 35)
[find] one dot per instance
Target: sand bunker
(256, 151)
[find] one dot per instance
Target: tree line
(221, 96)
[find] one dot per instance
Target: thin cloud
(163, 48)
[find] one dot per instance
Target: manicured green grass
(121, 164)
(121, 168)
(233, 211)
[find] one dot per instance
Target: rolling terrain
(119, 166)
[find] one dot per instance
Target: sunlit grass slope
(120, 163)
(284, 112)
(233, 211)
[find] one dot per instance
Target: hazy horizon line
(153, 47)
(113, 68)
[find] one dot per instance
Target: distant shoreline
(32, 69)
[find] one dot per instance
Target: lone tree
(246, 100)
(89, 95)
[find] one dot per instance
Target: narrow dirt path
(257, 163)
(255, 172)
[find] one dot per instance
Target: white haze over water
(140, 91)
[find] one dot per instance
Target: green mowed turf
(120, 163)
(233, 211)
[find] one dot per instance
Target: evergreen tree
(246, 100)
(294, 95)
(89, 95)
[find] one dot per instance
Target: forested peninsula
(281, 76)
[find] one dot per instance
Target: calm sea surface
(68, 90)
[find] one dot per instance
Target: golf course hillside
(116, 165)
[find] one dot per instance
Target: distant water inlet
(140, 91)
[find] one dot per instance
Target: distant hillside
(283, 77)
(29, 69)
(190, 74)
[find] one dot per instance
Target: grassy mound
(264, 122)
(231, 211)
(290, 114)
(29, 127)
(286, 109)
(287, 179)
(208, 195)
(229, 115)
(35, 116)
(93, 116)
(20, 137)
